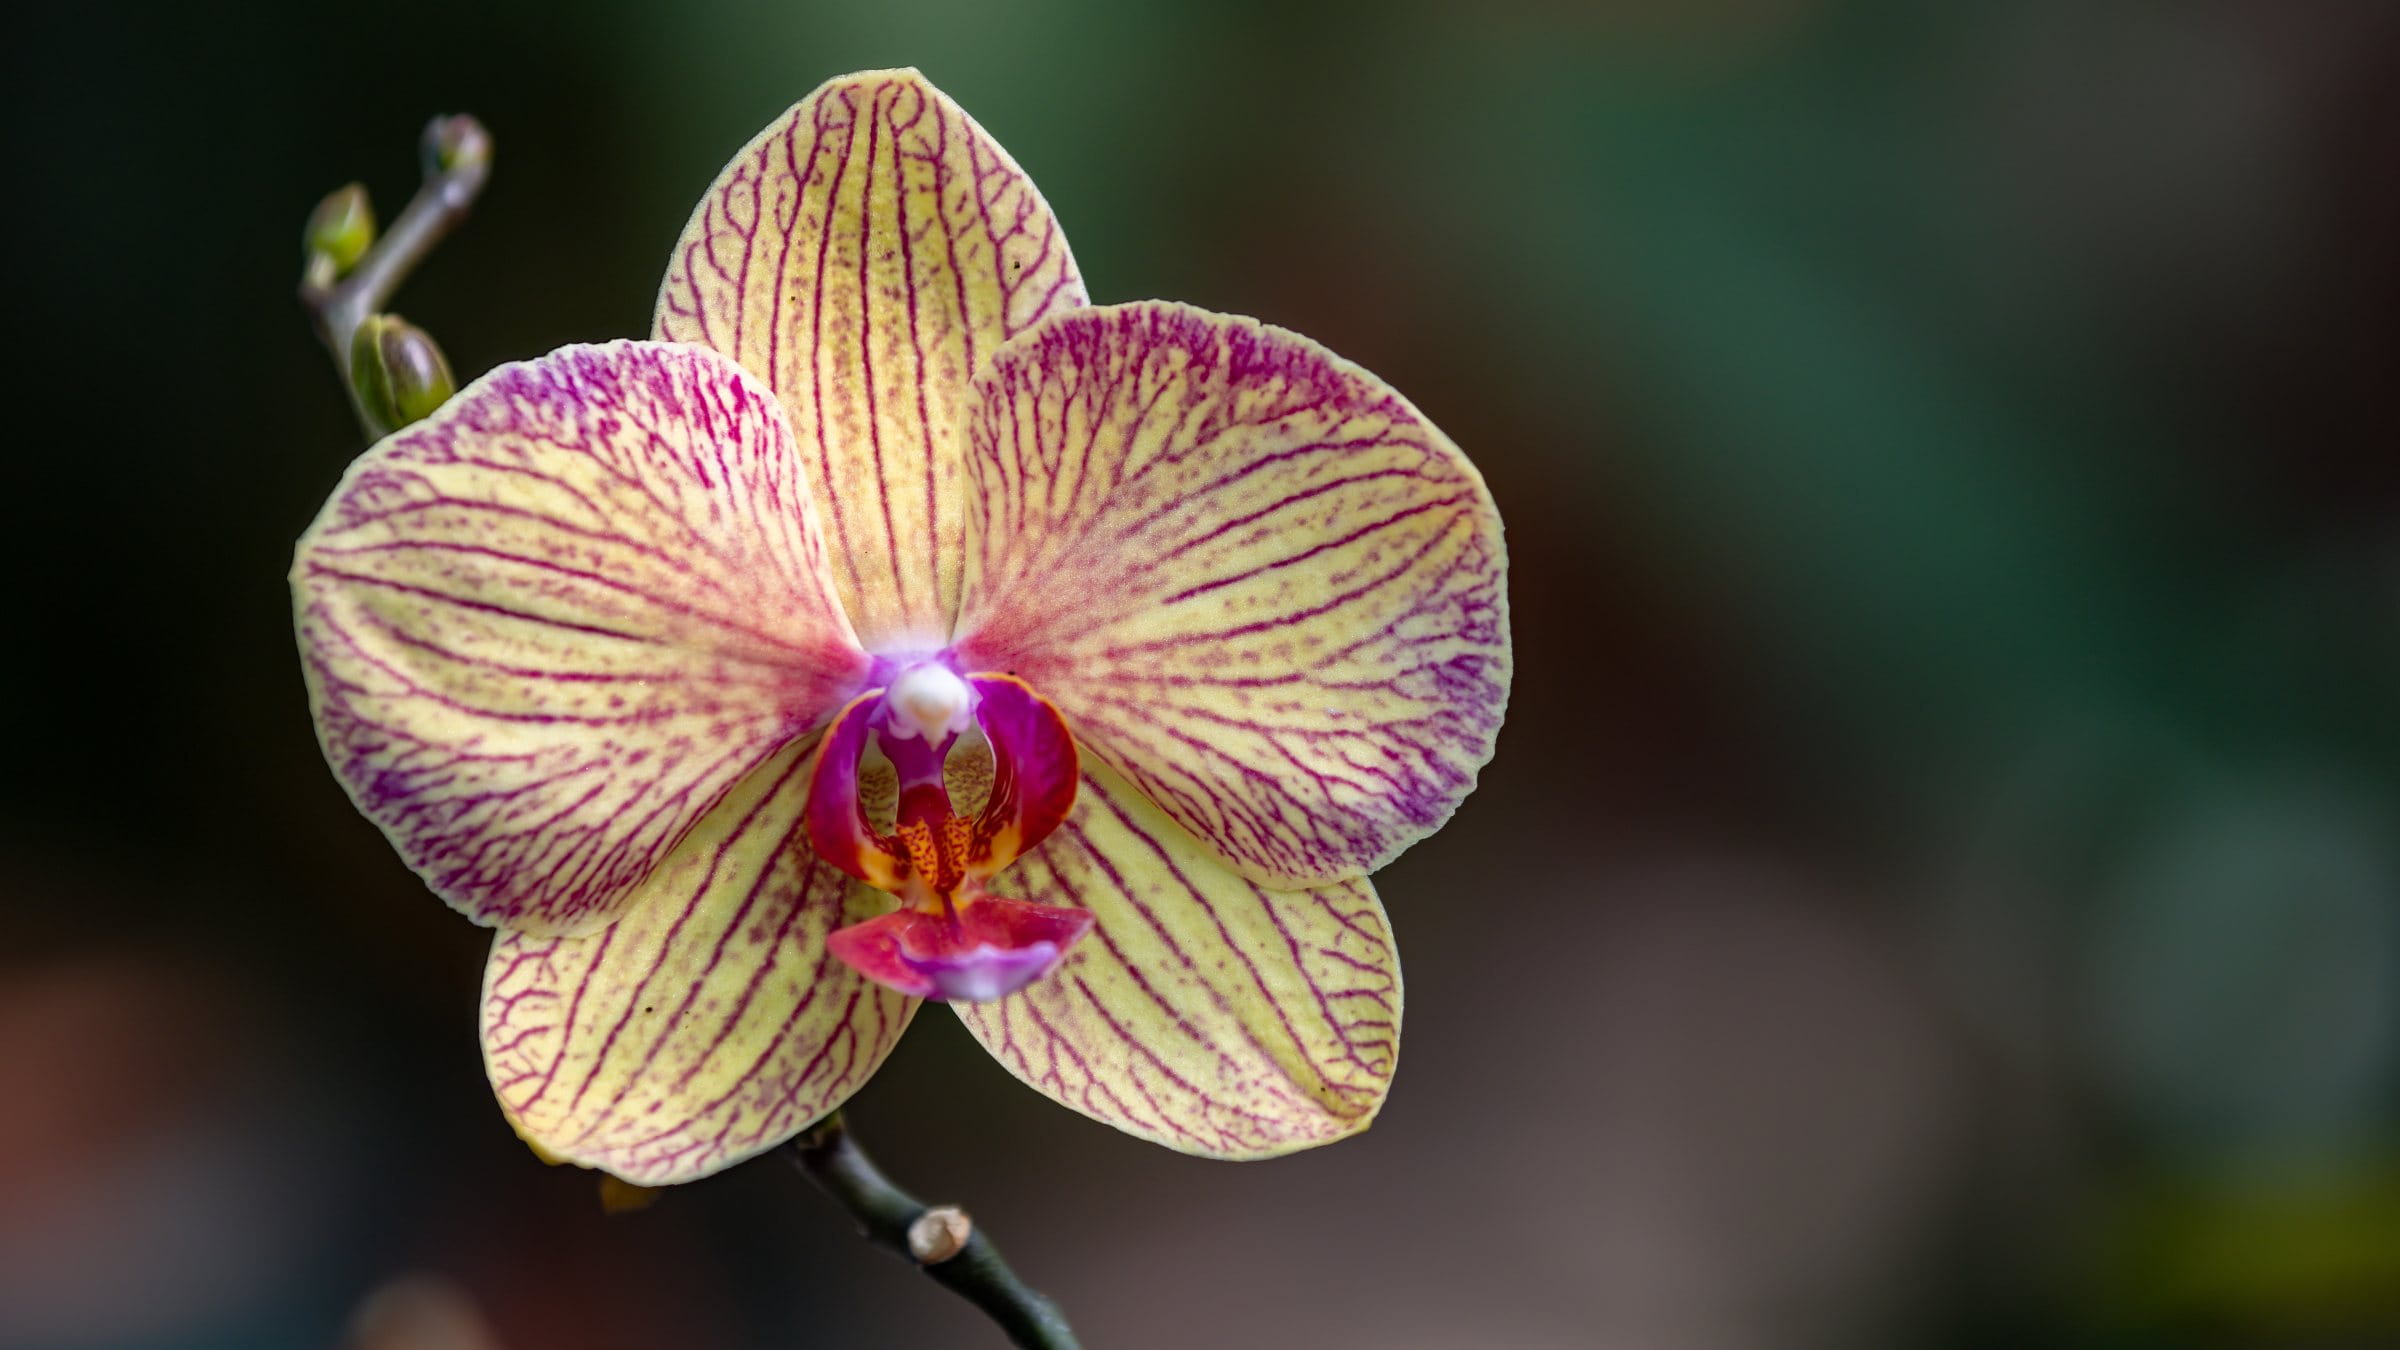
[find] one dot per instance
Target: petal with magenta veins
(709, 1024)
(1256, 580)
(1034, 770)
(1204, 1012)
(864, 255)
(547, 628)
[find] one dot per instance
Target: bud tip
(342, 227)
(456, 142)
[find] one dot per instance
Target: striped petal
(1258, 582)
(549, 627)
(864, 255)
(1203, 1011)
(710, 1023)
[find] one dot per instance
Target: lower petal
(1205, 1012)
(709, 1024)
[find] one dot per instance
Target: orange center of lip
(936, 844)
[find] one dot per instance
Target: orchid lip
(989, 972)
(985, 948)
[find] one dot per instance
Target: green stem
(928, 1236)
(337, 303)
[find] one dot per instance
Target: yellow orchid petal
(710, 1023)
(863, 255)
(548, 627)
(1257, 581)
(1204, 1011)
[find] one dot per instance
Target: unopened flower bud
(455, 143)
(400, 374)
(342, 228)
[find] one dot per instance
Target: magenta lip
(986, 973)
(988, 948)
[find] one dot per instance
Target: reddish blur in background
(1940, 883)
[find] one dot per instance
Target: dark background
(1940, 883)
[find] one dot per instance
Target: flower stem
(458, 163)
(939, 1239)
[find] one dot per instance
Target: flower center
(950, 937)
(928, 702)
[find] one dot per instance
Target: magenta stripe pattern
(1257, 581)
(707, 1025)
(864, 255)
(1203, 1011)
(547, 629)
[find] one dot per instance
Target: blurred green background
(1940, 885)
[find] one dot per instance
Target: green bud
(455, 143)
(399, 372)
(342, 228)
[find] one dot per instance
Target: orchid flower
(893, 625)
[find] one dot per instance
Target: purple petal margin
(548, 628)
(1257, 581)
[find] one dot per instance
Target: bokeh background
(1940, 883)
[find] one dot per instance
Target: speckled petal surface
(547, 628)
(864, 255)
(1202, 1011)
(1255, 579)
(710, 1023)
